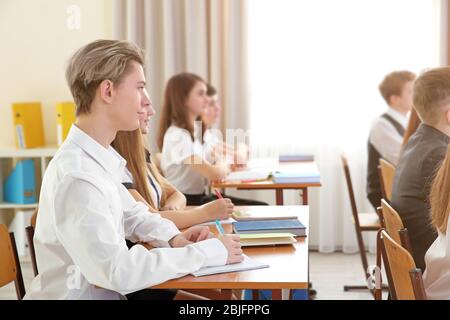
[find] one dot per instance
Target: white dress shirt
(85, 214)
(385, 138)
(177, 147)
(436, 277)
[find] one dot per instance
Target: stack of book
(293, 226)
(260, 227)
(296, 177)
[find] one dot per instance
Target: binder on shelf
(270, 226)
(27, 117)
(20, 185)
(65, 117)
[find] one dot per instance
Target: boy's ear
(106, 90)
(447, 116)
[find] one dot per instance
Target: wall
(36, 40)
(36, 43)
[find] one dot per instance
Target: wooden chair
(386, 173)
(9, 262)
(362, 221)
(394, 225)
(30, 235)
(407, 282)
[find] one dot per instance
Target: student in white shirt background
(186, 162)
(214, 138)
(387, 131)
(85, 213)
(437, 259)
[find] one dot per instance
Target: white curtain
(315, 67)
(206, 37)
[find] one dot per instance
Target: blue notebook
(271, 226)
(296, 157)
(290, 177)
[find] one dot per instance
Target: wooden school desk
(299, 166)
(288, 265)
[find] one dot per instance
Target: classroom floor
(328, 274)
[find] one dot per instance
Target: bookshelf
(15, 215)
(8, 159)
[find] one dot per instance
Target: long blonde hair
(440, 195)
(130, 145)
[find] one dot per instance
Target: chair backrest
(30, 235)
(387, 173)
(34, 218)
(9, 262)
(407, 283)
(392, 221)
(351, 193)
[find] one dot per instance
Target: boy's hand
(233, 245)
(189, 236)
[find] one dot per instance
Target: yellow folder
(65, 117)
(27, 117)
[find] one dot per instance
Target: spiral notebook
(247, 264)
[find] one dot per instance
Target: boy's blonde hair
(97, 61)
(393, 83)
(432, 94)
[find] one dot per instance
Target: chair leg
(350, 288)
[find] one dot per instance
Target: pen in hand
(219, 227)
(218, 194)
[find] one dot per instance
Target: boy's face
(144, 119)
(130, 101)
(405, 100)
(212, 111)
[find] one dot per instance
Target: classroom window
(315, 65)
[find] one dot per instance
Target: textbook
(247, 264)
(270, 226)
(27, 119)
(292, 177)
(249, 175)
(261, 213)
(296, 157)
(266, 239)
(65, 117)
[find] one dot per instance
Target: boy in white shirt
(85, 213)
(386, 133)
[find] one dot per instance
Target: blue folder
(270, 226)
(20, 185)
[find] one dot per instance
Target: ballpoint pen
(219, 227)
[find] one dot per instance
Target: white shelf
(7, 205)
(13, 152)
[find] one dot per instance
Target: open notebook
(247, 264)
